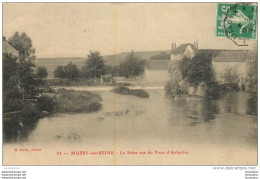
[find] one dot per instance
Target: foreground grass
(134, 92)
(77, 101)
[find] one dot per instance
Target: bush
(21, 124)
(45, 103)
(197, 69)
(69, 71)
(30, 112)
(140, 93)
(213, 90)
(228, 87)
(172, 89)
(132, 66)
(135, 92)
(121, 90)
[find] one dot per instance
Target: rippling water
(213, 132)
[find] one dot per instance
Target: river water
(202, 132)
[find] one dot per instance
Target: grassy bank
(77, 101)
(134, 92)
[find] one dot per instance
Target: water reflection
(230, 119)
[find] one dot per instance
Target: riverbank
(19, 125)
(104, 88)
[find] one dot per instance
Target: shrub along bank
(134, 92)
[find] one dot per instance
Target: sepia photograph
(129, 84)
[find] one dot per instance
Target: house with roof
(184, 50)
(156, 71)
(231, 59)
(9, 49)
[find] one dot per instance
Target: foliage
(26, 66)
(197, 69)
(24, 122)
(213, 90)
(94, 66)
(45, 103)
(171, 88)
(41, 72)
(185, 65)
(11, 94)
(30, 112)
(230, 75)
(133, 66)
(59, 72)
(23, 44)
(174, 71)
(160, 56)
(135, 92)
(252, 76)
(41, 75)
(69, 71)
(10, 68)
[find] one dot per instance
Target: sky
(73, 29)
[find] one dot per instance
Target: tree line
(95, 67)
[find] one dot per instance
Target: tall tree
(133, 66)
(11, 95)
(23, 44)
(59, 72)
(41, 74)
(71, 71)
(198, 69)
(94, 66)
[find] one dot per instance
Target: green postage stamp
(236, 21)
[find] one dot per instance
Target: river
(203, 132)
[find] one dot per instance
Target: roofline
(11, 45)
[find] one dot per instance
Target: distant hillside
(52, 63)
(119, 58)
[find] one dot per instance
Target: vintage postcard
(130, 84)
